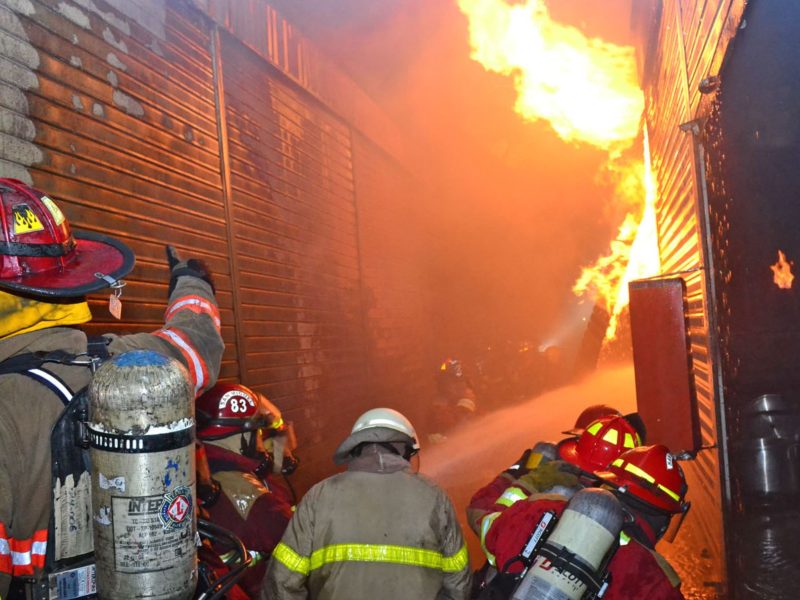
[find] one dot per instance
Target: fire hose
(242, 559)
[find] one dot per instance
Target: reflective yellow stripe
(459, 560)
(291, 559)
(485, 526)
(401, 555)
(593, 429)
(640, 473)
(669, 493)
(624, 538)
(628, 443)
(617, 463)
(277, 424)
(511, 496)
(611, 436)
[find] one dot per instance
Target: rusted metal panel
(665, 392)
(692, 39)
(395, 251)
(118, 102)
(295, 243)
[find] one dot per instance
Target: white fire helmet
(377, 425)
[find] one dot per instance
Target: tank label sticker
(73, 584)
(176, 508)
(142, 541)
(25, 221)
(72, 510)
(115, 483)
(58, 216)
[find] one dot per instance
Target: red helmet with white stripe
(227, 409)
(40, 254)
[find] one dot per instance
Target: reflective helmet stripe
(401, 555)
(641, 473)
(595, 427)
(611, 436)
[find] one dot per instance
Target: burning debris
(587, 89)
(782, 272)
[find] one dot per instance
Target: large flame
(633, 254)
(587, 89)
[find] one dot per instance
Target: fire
(782, 272)
(586, 88)
(633, 254)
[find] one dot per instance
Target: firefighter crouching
(46, 270)
(650, 488)
(378, 530)
(244, 499)
(551, 467)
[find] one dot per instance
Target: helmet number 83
(238, 405)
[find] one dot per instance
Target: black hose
(218, 588)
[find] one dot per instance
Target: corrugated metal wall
(236, 144)
(692, 40)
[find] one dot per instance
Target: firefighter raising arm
(46, 271)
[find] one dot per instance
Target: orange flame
(782, 272)
(586, 88)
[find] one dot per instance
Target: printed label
(75, 583)
(142, 541)
(72, 517)
(58, 216)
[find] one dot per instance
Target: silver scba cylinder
(587, 530)
(141, 429)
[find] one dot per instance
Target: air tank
(141, 429)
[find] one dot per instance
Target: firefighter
(650, 485)
(376, 530)
(547, 466)
(231, 423)
(455, 401)
(46, 270)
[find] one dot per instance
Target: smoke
(475, 454)
(516, 210)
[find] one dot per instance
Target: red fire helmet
(600, 443)
(589, 414)
(651, 474)
(41, 255)
(227, 409)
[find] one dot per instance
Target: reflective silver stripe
(55, 382)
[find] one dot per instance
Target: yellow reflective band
(511, 496)
(628, 443)
(640, 473)
(486, 524)
(624, 538)
(617, 463)
(611, 436)
(669, 493)
(595, 427)
(277, 424)
(400, 555)
(291, 559)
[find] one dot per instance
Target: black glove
(192, 267)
